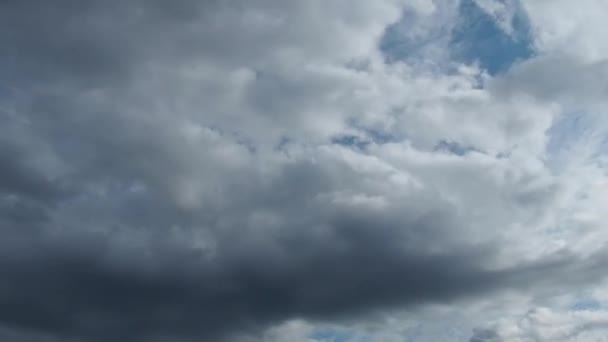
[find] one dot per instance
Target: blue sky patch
(350, 141)
(478, 38)
(587, 304)
(398, 44)
(331, 335)
(452, 147)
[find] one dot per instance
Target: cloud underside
(208, 170)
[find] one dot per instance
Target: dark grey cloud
(95, 287)
(19, 179)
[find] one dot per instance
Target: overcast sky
(303, 171)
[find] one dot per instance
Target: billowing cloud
(269, 170)
(543, 324)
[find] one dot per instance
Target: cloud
(543, 324)
(248, 170)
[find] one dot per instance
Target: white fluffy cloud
(543, 324)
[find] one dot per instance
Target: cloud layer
(261, 170)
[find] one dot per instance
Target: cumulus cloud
(254, 170)
(544, 324)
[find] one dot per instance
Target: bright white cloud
(544, 324)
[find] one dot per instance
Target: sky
(303, 171)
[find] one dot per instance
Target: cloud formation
(543, 324)
(248, 170)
